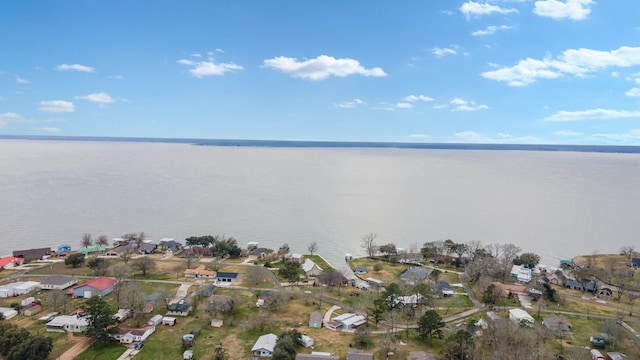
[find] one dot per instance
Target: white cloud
(500, 138)
(9, 117)
(571, 9)
(578, 62)
(490, 30)
(321, 67)
(208, 68)
(349, 104)
(75, 67)
(20, 80)
(593, 114)
(100, 97)
(414, 98)
(458, 104)
(633, 92)
(615, 74)
(57, 106)
(219, 50)
(117, 77)
(440, 52)
(196, 55)
(472, 8)
(404, 105)
(567, 133)
(632, 136)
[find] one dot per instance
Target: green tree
(459, 346)
(362, 338)
(291, 271)
(100, 319)
(36, 347)
(528, 260)
(388, 249)
(430, 325)
(75, 260)
(11, 336)
(377, 267)
(285, 348)
(377, 310)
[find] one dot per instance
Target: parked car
(139, 346)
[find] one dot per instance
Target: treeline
(18, 344)
(219, 245)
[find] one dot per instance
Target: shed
(32, 310)
(355, 354)
(187, 355)
(521, 317)
(155, 320)
(375, 282)
(8, 313)
(217, 323)
(315, 320)
(264, 346)
(305, 341)
(171, 321)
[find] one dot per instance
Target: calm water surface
(558, 204)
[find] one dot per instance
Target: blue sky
(488, 71)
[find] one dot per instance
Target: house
(299, 258)
(284, 249)
(420, 355)
(33, 254)
(310, 268)
(58, 282)
(316, 356)
(556, 278)
(557, 324)
(169, 246)
(510, 288)
(101, 286)
(227, 277)
(521, 273)
(576, 285)
(360, 270)
(147, 248)
(9, 262)
(17, 288)
(264, 346)
(315, 319)
(128, 336)
(171, 321)
(355, 354)
(444, 288)
(265, 299)
(32, 310)
(635, 262)
(181, 308)
(200, 273)
(410, 300)
(411, 258)
(8, 313)
(217, 323)
(220, 303)
(375, 282)
(349, 321)
(93, 249)
(305, 341)
(63, 250)
(521, 317)
(122, 250)
(414, 275)
(67, 323)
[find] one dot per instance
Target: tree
(102, 240)
(376, 312)
(432, 249)
(98, 265)
(11, 336)
(57, 297)
(36, 347)
(388, 250)
(313, 247)
(120, 273)
(368, 244)
(362, 338)
(86, 240)
(430, 325)
(459, 346)
(75, 260)
(628, 251)
(100, 320)
(285, 348)
(127, 255)
(492, 295)
(291, 271)
(528, 260)
(377, 267)
(206, 240)
(144, 264)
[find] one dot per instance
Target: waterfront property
(33, 254)
(101, 286)
(521, 273)
(9, 262)
(264, 346)
(63, 250)
(58, 282)
(200, 273)
(67, 323)
(93, 249)
(414, 275)
(310, 268)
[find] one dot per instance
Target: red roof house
(8, 262)
(101, 286)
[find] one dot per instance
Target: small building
(32, 310)
(200, 273)
(58, 282)
(420, 355)
(67, 323)
(96, 249)
(128, 336)
(63, 250)
(8, 313)
(315, 320)
(147, 248)
(444, 289)
(557, 324)
(101, 287)
(170, 321)
(155, 320)
(576, 285)
(316, 356)
(181, 308)
(9, 262)
(350, 320)
(521, 317)
(355, 354)
(360, 270)
(227, 277)
(511, 288)
(521, 273)
(265, 299)
(33, 254)
(616, 356)
(414, 275)
(187, 355)
(635, 262)
(310, 268)
(264, 346)
(17, 288)
(217, 323)
(305, 341)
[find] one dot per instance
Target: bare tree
(126, 255)
(215, 265)
(313, 247)
(189, 258)
(368, 243)
(628, 251)
(120, 273)
(102, 240)
(472, 248)
(86, 240)
(256, 274)
(144, 264)
(57, 298)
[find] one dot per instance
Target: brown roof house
(200, 272)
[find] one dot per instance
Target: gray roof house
(355, 354)
(182, 308)
(147, 248)
(32, 254)
(58, 282)
(315, 319)
(360, 270)
(316, 356)
(415, 275)
(264, 346)
(227, 277)
(557, 324)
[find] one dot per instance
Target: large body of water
(555, 203)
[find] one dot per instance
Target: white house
(264, 346)
(17, 288)
(8, 313)
(521, 317)
(67, 323)
(310, 268)
(58, 282)
(521, 273)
